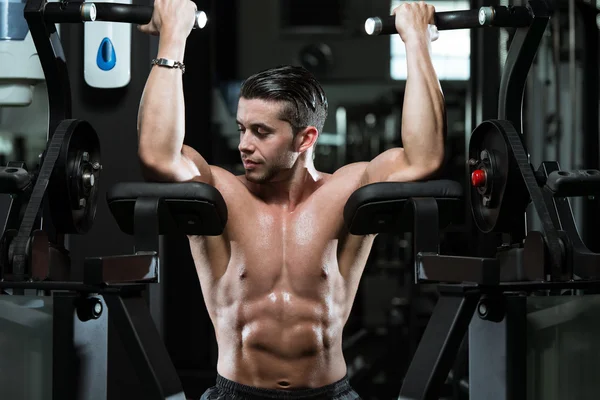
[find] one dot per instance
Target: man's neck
(292, 188)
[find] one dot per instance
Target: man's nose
(246, 145)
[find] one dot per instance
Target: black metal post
(439, 345)
(521, 54)
(498, 354)
(80, 349)
(146, 224)
(590, 123)
(52, 59)
(145, 347)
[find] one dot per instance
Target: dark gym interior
(545, 343)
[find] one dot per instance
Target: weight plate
(73, 187)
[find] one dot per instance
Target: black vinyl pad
(380, 207)
(190, 208)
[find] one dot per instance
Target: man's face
(266, 142)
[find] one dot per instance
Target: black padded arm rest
(380, 207)
(191, 208)
(574, 183)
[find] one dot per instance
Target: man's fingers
(431, 12)
(145, 29)
(148, 29)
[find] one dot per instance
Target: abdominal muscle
(275, 292)
(282, 338)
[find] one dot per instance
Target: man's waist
(335, 388)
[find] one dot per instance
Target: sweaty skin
(280, 282)
(279, 285)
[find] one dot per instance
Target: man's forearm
(161, 117)
(423, 114)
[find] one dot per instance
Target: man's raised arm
(161, 117)
(423, 113)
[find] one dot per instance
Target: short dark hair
(305, 98)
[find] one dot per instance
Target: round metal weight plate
(73, 186)
(502, 200)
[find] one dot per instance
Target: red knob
(478, 178)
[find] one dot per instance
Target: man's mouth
(249, 164)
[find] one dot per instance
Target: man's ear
(306, 138)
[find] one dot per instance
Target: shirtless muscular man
(279, 283)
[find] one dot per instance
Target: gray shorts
(229, 390)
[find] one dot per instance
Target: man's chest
(280, 230)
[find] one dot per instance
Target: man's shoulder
(343, 181)
(347, 170)
(227, 181)
(349, 175)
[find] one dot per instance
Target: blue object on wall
(106, 58)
